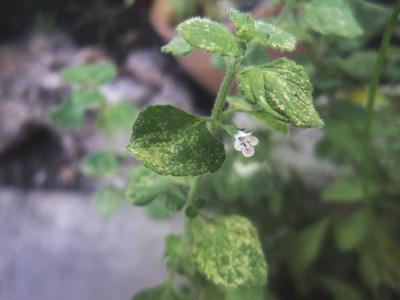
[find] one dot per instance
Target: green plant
(222, 255)
(341, 243)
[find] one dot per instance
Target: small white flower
(245, 142)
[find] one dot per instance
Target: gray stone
(54, 246)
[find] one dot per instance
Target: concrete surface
(54, 246)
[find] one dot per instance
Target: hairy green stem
(223, 94)
(370, 108)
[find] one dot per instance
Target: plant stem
(223, 93)
(370, 108)
(215, 116)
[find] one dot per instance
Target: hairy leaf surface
(169, 141)
(283, 90)
(229, 253)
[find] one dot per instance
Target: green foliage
(169, 141)
(117, 117)
(100, 163)
(332, 17)
(345, 190)
(350, 231)
(146, 185)
(306, 246)
(67, 115)
(87, 98)
(108, 200)
(341, 242)
(229, 253)
(95, 74)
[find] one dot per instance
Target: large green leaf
(108, 200)
(170, 141)
(283, 90)
(229, 253)
(210, 36)
(97, 74)
(332, 17)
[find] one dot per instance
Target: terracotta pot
(197, 63)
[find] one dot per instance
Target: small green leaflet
(120, 116)
(350, 231)
(108, 200)
(163, 291)
(283, 90)
(229, 253)
(259, 32)
(87, 98)
(306, 246)
(100, 163)
(244, 25)
(332, 17)
(177, 46)
(343, 190)
(146, 185)
(68, 115)
(210, 36)
(169, 141)
(97, 74)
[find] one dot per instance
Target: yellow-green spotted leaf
(211, 36)
(99, 73)
(177, 46)
(169, 141)
(108, 200)
(332, 17)
(229, 253)
(100, 163)
(283, 90)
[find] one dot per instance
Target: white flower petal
(248, 151)
(241, 134)
(238, 145)
(253, 140)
